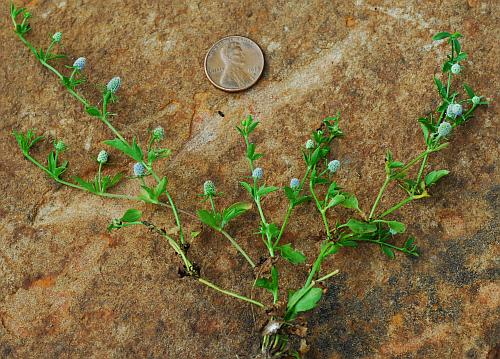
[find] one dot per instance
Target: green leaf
(263, 190)
(301, 200)
(441, 35)
(387, 251)
(131, 215)
(264, 283)
(350, 201)
(360, 227)
(302, 300)
(396, 226)
(435, 176)
(290, 254)
(209, 219)
(161, 187)
(440, 87)
(469, 91)
(461, 56)
(89, 186)
(247, 186)
(270, 285)
(338, 199)
(133, 151)
(458, 48)
(234, 210)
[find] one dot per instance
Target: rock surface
(68, 289)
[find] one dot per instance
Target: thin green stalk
(404, 250)
(420, 172)
(320, 209)
(238, 248)
(379, 196)
(212, 204)
(229, 293)
(176, 215)
(290, 208)
(99, 176)
(402, 203)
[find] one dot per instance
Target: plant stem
(238, 248)
(320, 209)
(402, 203)
(404, 250)
(176, 215)
(379, 196)
(99, 176)
(229, 293)
(290, 208)
(420, 172)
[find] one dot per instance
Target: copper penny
(234, 63)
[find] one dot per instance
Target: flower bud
(444, 129)
(209, 188)
(258, 173)
(294, 183)
(139, 169)
(333, 166)
(455, 69)
(476, 100)
(114, 84)
(159, 133)
(102, 157)
(60, 146)
(309, 144)
(57, 37)
(80, 63)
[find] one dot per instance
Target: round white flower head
(309, 144)
(139, 169)
(159, 133)
(80, 63)
(258, 173)
(209, 188)
(60, 146)
(114, 84)
(102, 157)
(392, 231)
(333, 166)
(455, 69)
(476, 100)
(294, 183)
(453, 110)
(457, 109)
(444, 129)
(57, 37)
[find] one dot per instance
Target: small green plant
(317, 187)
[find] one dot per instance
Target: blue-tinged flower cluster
(258, 173)
(114, 84)
(57, 37)
(444, 129)
(209, 188)
(139, 169)
(453, 110)
(80, 63)
(102, 157)
(333, 166)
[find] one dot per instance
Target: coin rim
(243, 88)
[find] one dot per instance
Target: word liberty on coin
(234, 63)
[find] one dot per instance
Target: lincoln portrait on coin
(234, 75)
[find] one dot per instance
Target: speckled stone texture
(68, 289)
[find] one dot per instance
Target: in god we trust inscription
(234, 63)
